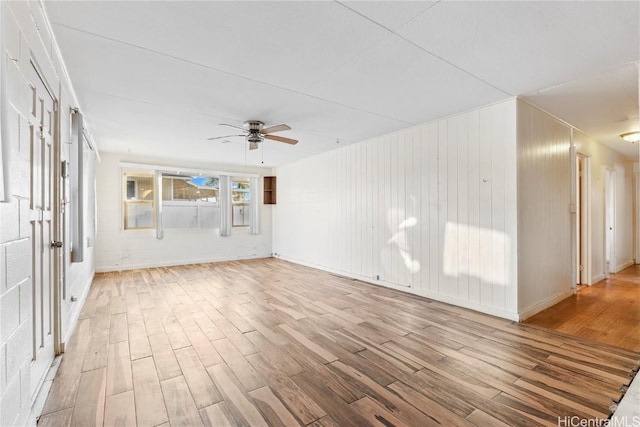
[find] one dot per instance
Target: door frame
(584, 212)
(580, 219)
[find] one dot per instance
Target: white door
(609, 236)
(42, 134)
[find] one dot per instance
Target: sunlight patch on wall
(477, 252)
(399, 239)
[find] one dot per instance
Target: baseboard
(596, 279)
(73, 320)
(624, 265)
(166, 263)
(425, 294)
(537, 308)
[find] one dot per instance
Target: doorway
(609, 225)
(582, 182)
(44, 306)
(581, 221)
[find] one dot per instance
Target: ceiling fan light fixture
(632, 137)
(254, 138)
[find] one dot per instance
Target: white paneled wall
(544, 218)
(431, 210)
(27, 38)
(118, 249)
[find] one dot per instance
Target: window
(163, 200)
(190, 201)
(240, 199)
(138, 203)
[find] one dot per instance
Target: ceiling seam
(422, 48)
(229, 73)
(633, 98)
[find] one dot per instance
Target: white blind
(157, 196)
(254, 205)
(225, 205)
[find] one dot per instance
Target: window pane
(138, 201)
(138, 215)
(210, 216)
(131, 189)
(190, 202)
(240, 215)
(179, 215)
(140, 187)
(190, 188)
(240, 197)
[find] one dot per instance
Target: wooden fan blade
(222, 137)
(253, 145)
(276, 128)
(233, 126)
(282, 139)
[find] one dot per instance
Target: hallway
(607, 312)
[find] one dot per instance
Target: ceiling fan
(255, 133)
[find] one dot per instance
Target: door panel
(41, 230)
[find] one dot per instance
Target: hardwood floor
(607, 312)
(267, 342)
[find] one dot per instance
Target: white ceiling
(157, 78)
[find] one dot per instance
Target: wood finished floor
(267, 342)
(607, 312)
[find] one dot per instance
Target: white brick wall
(18, 259)
(10, 403)
(3, 367)
(10, 309)
(26, 35)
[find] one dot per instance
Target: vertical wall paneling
(378, 208)
(367, 226)
(511, 205)
(485, 246)
(544, 227)
(450, 240)
(463, 208)
(431, 238)
(443, 196)
(419, 170)
(498, 208)
(474, 185)
(424, 209)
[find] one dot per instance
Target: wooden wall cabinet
(269, 189)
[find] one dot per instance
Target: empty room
(319, 213)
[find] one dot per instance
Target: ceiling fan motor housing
(253, 125)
